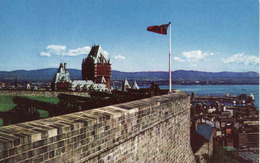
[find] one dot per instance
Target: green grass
(6, 103)
(54, 100)
(45, 114)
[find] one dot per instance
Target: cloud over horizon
(78, 51)
(119, 57)
(193, 56)
(53, 50)
(241, 58)
(178, 59)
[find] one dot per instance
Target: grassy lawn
(6, 103)
(44, 114)
(54, 100)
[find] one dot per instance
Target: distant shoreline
(203, 84)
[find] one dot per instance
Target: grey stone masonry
(150, 130)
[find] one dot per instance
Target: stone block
(52, 133)
(35, 137)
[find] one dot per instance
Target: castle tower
(62, 78)
(96, 67)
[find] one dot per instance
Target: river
(219, 90)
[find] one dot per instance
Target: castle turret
(96, 66)
(62, 78)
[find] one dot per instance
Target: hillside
(48, 74)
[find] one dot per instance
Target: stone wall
(206, 148)
(149, 130)
(14, 92)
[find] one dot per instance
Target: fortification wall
(149, 130)
(14, 92)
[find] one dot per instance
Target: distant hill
(48, 74)
(183, 74)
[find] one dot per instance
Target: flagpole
(170, 74)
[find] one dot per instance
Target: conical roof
(126, 85)
(135, 86)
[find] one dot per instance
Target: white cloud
(78, 51)
(119, 57)
(52, 50)
(45, 54)
(55, 49)
(240, 58)
(178, 59)
(193, 56)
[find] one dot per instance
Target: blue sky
(207, 35)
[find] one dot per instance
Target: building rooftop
(97, 54)
(205, 130)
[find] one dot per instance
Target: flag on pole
(162, 29)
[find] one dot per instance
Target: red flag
(162, 29)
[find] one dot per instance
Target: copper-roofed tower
(96, 67)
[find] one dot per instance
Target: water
(219, 90)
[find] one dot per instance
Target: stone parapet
(150, 130)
